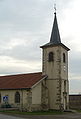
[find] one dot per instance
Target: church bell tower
(55, 66)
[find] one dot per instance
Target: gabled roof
(20, 81)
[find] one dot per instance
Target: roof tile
(20, 81)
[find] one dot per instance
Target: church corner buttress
(55, 66)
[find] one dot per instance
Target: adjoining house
(44, 90)
(75, 101)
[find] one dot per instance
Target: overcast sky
(25, 25)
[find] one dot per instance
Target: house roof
(20, 81)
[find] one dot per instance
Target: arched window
(0, 98)
(64, 58)
(17, 97)
(51, 57)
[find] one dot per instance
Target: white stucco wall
(36, 94)
(53, 97)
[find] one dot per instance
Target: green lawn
(33, 113)
(78, 111)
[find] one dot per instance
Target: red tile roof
(20, 81)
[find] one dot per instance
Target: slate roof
(53, 45)
(55, 35)
(55, 39)
(20, 81)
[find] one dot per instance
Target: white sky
(26, 25)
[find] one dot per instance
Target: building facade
(41, 91)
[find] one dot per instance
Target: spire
(55, 39)
(55, 35)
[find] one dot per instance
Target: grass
(53, 112)
(78, 110)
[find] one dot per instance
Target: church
(44, 90)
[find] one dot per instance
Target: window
(0, 98)
(64, 58)
(51, 57)
(64, 86)
(17, 97)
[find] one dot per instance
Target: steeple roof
(55, 35)
(55, 39)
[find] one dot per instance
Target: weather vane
(55, 7)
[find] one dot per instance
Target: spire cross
(55, 7)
